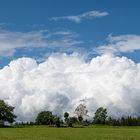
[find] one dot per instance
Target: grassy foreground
(94, 133)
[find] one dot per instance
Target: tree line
(79, 119)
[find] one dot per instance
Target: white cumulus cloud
(59, 83)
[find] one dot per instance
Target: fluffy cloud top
(83, 16)
(62, 81)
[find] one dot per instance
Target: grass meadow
(88, 133)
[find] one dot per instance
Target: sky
(79, 49)
(50, 17)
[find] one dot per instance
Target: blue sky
(37, 28)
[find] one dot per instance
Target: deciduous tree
(6, 112)
(100, 116)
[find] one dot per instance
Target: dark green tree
(66, 116)
(1, 123)
(45, 118)
(123, 121)
(70, 122)
(57, 121)
(113, 122)
(80, 119)
(6, 112)
(74, 120)
(100, 116)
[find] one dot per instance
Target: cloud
(120, 44)
(83, 16)
(10, 42)
(62, 81)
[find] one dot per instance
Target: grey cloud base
(59, 83)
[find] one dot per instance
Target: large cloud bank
(62, 81)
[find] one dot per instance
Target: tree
(80, 119)
(57, 121)
(100, 116)
(66, 116)
(1, 123)
(70, 122)
(113, 121)
(74, 120)
(6, 112)
(81, 111)
(45, 118)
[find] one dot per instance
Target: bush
(1, 123)
(57, 121)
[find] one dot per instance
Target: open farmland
(94, 133)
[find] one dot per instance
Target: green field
(94, 133)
